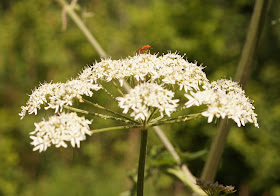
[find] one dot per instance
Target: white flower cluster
(224, 98)
(146, 96)
(170, 68)
(56, 95)
(153, 77)
(67, 127)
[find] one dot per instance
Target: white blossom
(56, 95)
(154, 78)
(146, 96)
(170, 68)
(224, 98)
(67, 127)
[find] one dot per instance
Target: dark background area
(34, 49)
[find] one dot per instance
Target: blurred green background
(34, 49)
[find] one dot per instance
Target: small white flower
(56, 95)
(170, 68)
(67, 127)
(146, 96)
(224, 98)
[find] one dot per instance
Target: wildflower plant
(156, 82)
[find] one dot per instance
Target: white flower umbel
(146, 97)
(67, 127)
(169, 68)
(176, 70)
(154, 80)
(225, 98)
(56, 95)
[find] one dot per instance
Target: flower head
(144, 97)
(56, 95)
(150, 102)
(168, 69)
(225, 98)
(67, 127)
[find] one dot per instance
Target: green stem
(216, 150)
(108, 110)
(110, 95)
(180, 109)
(242, 74)
(96, 114)
(155, 120)
(154, 111)
(177, 120)
(186, 117)
(114, 128)
(253, 36)
(69, 9)
(118, 89)
(141, 163)
(188, 179)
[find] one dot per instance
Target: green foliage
(34, 49)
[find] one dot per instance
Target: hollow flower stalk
(155, 81)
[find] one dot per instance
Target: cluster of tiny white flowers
(67, 127)
(176, 70)
(170, 68)
(153, 76)
(225, 98)
(56, 95)
(146, 96)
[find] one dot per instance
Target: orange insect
(143, 49)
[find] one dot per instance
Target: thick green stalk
(242, 74)
(216, 151)
(141, 163)
(253, 36)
